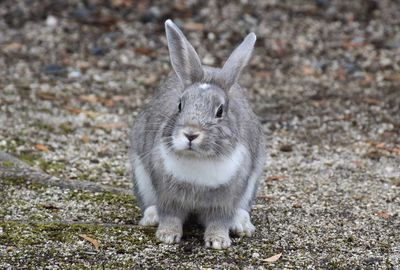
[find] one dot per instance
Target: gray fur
(184, 59)
(237, 61)
(200, 92)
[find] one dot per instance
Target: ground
(324, 80)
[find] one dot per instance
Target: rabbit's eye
(219, 111)
(180, 106)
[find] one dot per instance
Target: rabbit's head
(206, 122)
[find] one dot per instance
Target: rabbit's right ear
(184, 59)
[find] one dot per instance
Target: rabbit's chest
(208, 172)
(196, 198)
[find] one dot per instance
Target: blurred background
(324, 80)
(76, 71)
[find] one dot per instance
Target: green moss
(56, 231)
(88, 175)
(4, 200)
(15, 234)
(106, 166)
(395, 181)
(22, 234)
(36, 186)
(120, 171)
(108, 197)
(119, 207)
(334, 264)
(79, 266)
(14, 180)
(67, 128)
(7, 164)
(44, 110)
(21, 181)
(43, 126)
(11, 145)
(27, 234)
(29, 158)
(51, 166)
(84, 176)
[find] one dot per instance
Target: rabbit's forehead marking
(204, 86)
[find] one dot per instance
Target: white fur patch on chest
(210, 173)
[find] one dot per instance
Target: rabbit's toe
(150, 216)
(169, 235)
(217, 237)
(241, 224)
(169, 230)
(217, 241)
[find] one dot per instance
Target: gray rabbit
(198, 148)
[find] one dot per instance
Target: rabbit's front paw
(217, 238)
(170, 231)
(168, 235)
(217, 241)
(150, 216)
(241, 224)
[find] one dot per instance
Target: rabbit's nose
(191, 136)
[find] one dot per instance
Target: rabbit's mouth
(192, 150)
(189, 150)
(194, 153)
(187, 140)
(190, 147)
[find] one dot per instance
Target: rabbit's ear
(184, 59)
(237, 61)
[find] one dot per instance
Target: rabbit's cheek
(179, 143)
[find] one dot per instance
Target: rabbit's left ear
(237, 61)
(184, 59)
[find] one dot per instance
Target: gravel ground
(324, 79)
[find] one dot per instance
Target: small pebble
(53, 70)
(98, 51)
(286, 148)
(51, 21)
(209, 60)
(74, 74)
(151, 15)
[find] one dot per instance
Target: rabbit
(197, 148)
